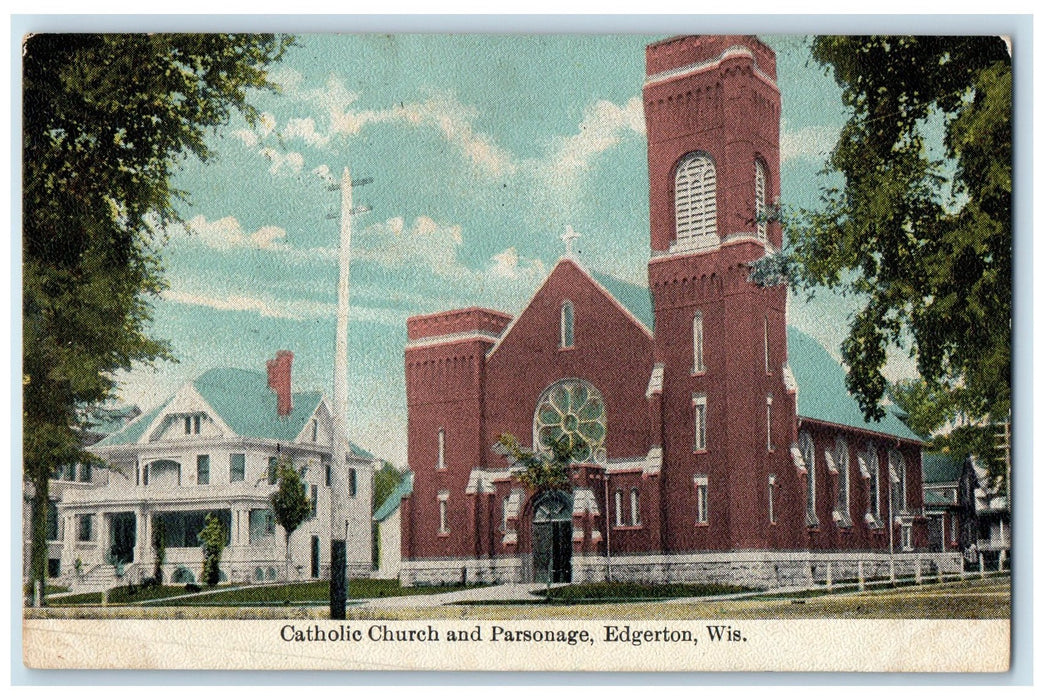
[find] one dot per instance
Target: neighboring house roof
(633, 297)
(939, 467)
(242, 399)
(822, 394)
(934, 498)
(106, 420)
(391, 503)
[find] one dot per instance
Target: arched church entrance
(553, 538)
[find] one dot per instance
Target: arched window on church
(566, 325)
(760, 210)
(636, 518)
(808, 453)
(695, 199)
(697, 343)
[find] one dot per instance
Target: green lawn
(272, 593)
(584, 592)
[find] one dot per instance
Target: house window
(192, 425)
(443, 523)
(808, 453)
(69, 472)
(566, 325)
(236, 467)
(188, 425)
(759, 198)
(697, 342)
(315, 499)
(273, 470)
(636, 518)
(695, 198)
(352, 485)
(897, 474)
(700, 483)
(315, 430)
(52, 521)
(442, 449)
(618, 502)
(699, 422)
(85, 473)
(85, 527)
(843, 487)
(203, 469)
(195, 425)
(327, 469)
(261, 523)
(772, 499)
(768, 424)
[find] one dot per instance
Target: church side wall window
(618, 502)
(808, 453)
(697, 343)
(843, 485)
(897, 473)
(772, 499)
(442, 449)
(636, 518)
(760, 186)
(695, 198)
(870, 469)
(768, 363)
(566, 325)
(443, 523)
(700, 484)
(699, 421)
(768, 423)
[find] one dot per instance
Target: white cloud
(292, 161)
(810, 142)
(304, 129)
(508, 265)
(247, 136)
(604, 125)
(271, 308)
(425, 243)
(227, 233)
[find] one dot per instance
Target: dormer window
(566, 322)
(192, 424)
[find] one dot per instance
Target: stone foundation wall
(750, 569)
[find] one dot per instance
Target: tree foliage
(290, 503)
(922, 237)
(543, 471)
(107, 120)
(385, 480)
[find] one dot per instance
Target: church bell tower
(712, 114)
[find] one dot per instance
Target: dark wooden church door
(553, 538)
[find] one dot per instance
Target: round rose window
(574, 408)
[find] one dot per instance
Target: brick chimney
(279, 381)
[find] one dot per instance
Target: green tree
(107, 120)
(542, 471)
(290, 504)
(213, 538)
(385, 480)
(923, 242)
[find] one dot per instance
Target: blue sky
(482, 150)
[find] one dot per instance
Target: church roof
(403, 489)
(822, 394)
(242, 399)
(633, 297)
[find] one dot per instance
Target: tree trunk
(38, 532)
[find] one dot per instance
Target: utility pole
(339, 515)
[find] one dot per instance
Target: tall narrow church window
(873, 469)
(768, 362)
(636, 518)
(443, 522)
(897, 474)
(699, 422)
(808, 453)
(695, 198)
(768, 424)
(697, 342)
(843, 488)
(772, 499)
(700, 484)
(566, 325)
(442, 449)
(618, 502)
(759, 198)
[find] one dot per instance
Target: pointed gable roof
(822, 394)
(242, 400)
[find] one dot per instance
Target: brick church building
(720, 444)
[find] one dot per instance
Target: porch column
(142, 537)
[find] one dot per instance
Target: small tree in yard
(212, 537)
(159, 543)
(540, 471)
(290, 503)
